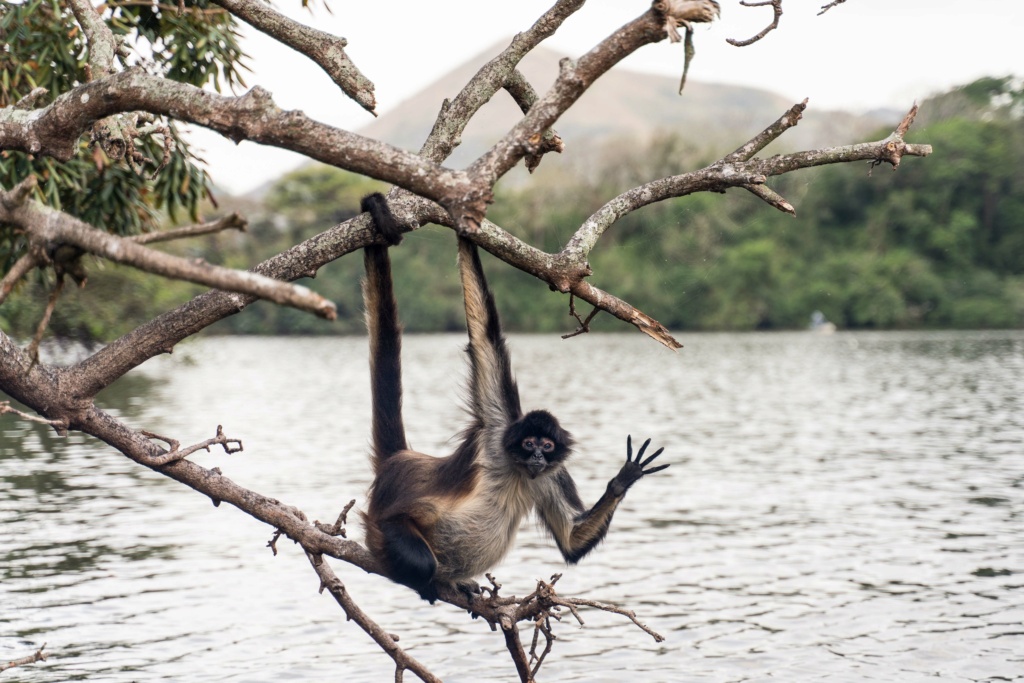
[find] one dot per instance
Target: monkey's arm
(385, 333)
(493, 391)
(577, 530)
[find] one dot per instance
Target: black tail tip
(376, 205)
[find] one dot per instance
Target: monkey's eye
(528, 444)
(547, 445)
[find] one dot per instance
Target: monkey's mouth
(535, 466)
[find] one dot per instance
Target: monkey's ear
(377, 206)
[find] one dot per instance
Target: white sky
(860, 55)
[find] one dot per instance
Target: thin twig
(825, 8)
(338, 528)
(5, 407)
(22, 267)
(38, 656)
(235, 221)
(584, 324)
(772, 197)
(51, 304)
(776, 7)
(173, 454)
(403, 661)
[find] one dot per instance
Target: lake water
(841, 508)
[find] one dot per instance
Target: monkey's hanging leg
(412, 562)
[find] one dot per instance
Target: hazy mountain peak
(623, 103)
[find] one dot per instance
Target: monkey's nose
(536, 465)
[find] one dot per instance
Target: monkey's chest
(473, 539)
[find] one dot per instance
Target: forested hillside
(936, 244)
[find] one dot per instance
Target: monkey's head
(536, 442)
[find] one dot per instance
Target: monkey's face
(536, 443)
(534, 452)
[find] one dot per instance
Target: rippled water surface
(843, 508)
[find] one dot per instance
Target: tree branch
(325, 49)
(233, 221)
(5, 408)
(38, 656)
(525, 96)
(403, 662)
(573, 80)
(102, 44)
(776, 8)
(49, 226)
(455, 115)
(55, 130)
(739, 169)
(825, 8)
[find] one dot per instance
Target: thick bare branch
(102, 44)
(55, 130)
(49, 226)
(233, 221)
(325, 49)
(525, 96)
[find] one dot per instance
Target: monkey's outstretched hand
(634, 469)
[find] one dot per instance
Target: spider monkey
(441, 521)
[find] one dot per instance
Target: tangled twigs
(37, 656)
(174, 455)
(584, 324)
(776, 7)
(543, 605)
(338, 528)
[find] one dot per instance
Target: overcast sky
(860, 55)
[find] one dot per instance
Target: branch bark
(37, 656)
(55, 130)
(49, 226)
(325, 49)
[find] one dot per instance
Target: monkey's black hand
(377, 206)
(634, 469)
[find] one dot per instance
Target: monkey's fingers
(659, 468)
(629, 447)
(648, 460)
(642, 449)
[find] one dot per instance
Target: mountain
(622, 104)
